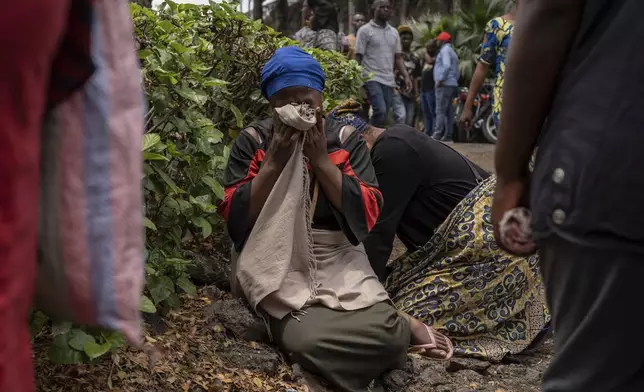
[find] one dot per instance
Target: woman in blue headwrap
(339, 322)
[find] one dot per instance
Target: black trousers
(596, 299)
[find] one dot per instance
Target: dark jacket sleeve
(399, 176)
(361, 199)
(243, 165)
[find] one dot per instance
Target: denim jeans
(398, 107)
(410, 110)
(380, 97)
(428, 105)
(444, 112)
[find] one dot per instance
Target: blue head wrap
(291, 67)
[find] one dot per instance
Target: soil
(214, 343)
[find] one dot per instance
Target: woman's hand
(315, 147)
(282, 144)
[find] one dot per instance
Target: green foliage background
(200, 68)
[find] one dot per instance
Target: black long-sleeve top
(421, 181)
(361, 199)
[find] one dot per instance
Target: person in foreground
(330, 314)
(585, 191)
(498, 33)
(454, 276)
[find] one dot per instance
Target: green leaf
(167, 26)
(144, 53)
(150, 140)
(203, 202)
(113, 338)
(61, 353)
(197, 96)
(169, 181)
(147, 306)
(215, 186)
(179, 48)
(153, 156)
(61, 328)
(149, 224)
(238, 115)
(94, 350)
(206, 228)
(161, 287)
(37, 322)
(186, 285)
(212, 82)
(78, 338)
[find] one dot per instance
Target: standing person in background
(494, 49)
(357, 21)
(305, 31)
(405, 101)
(580, 63)
(324, 27)
(378, 48)
(446, 79)
(427, 94)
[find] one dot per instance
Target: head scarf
(347, 114)
(291, 67)
(405, 29)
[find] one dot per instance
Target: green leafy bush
(200, 68)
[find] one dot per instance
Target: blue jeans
(381, 97)
(428, 104)
(444, 112)
(410, 110)
(398, 106)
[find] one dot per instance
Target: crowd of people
(401, 80)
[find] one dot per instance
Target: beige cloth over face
(285, 265)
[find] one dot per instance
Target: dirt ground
(480, 153)
(213, 343)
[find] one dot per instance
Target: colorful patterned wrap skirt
(490, 303)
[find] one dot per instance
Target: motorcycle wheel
(489, 129)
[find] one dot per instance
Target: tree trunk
(282, 16)
(258, 9)
(404, 6)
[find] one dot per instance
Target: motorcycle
(483, 126)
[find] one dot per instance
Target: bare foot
(437, 347)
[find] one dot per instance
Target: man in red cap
(446, 81)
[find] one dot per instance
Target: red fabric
(369, 194)
(229, 192)
(29, 35)
(444, 36)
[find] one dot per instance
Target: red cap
(444, 36)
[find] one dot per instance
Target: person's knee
(298, 344)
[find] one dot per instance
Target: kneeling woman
(310, 278)
(454, 276)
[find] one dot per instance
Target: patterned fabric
(347, 113)
(488, 302)
(324, 39)
(494, 50)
